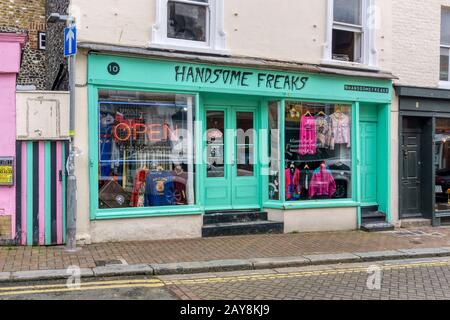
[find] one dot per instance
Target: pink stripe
(42, 193)
(24, 194)
(58, 193)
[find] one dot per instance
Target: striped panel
(40, 192)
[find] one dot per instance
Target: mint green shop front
(218, 100)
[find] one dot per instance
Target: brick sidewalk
(242, 247)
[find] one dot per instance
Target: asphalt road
(403, 279)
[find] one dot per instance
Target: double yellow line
(157, 283)
(84, 286)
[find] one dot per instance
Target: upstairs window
(445, 45)
(347, 30)
(351, 32)
(189, 24)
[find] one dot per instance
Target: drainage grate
(103, 263)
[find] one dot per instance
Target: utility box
(42, 115)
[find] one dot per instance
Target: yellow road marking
(62, 285)
(155, 283)
(23, 292)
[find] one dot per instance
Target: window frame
(215, 34)
(39, 40)
(444, 83)
(368, 54)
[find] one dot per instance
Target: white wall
(292, 30)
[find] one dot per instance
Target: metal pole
(71, 179)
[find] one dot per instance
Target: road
(402, 279)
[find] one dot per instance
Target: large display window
(317, 151)
(145, 149)
(442, 164)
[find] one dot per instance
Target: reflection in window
(445, 45)
(144, 143)
(187, 20)
(442, 164)
(317, 151)
(274, 152)
(245, 148)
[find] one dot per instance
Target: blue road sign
(70, 41)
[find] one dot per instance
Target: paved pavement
(206, 249)
(403, 279)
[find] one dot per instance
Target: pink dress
(307, 135)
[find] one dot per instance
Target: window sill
(444, 85)
(130, 213)
(195, 49)
(313, 204)
(348, 65)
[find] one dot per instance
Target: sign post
(70, 51)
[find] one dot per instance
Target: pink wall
(10, 53)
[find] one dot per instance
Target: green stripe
(30, 193)
(48, 218)
(63, 155)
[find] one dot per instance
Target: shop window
(145, 149)
(442, 164)
(350, 36)
(318, 151)
(190, 24)
(274, 151)
(445, 45)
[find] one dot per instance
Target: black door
(410, 182)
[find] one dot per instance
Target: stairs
(373, 220)
(238, 222)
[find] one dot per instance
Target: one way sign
(70, 41)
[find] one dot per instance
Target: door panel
(231, 180)
(368, 134)
(410, 181)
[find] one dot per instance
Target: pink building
(11, 45)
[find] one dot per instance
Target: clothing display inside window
(317, 151)
(143, 143)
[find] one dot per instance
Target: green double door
(231, 162)
(369, 181)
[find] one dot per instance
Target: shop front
(304, 151)
(424, 156)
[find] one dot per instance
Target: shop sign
(239, 78)
(371, 89)
(6, 171)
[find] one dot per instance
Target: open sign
(155, 132)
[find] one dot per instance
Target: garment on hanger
(307, 135)
(106, 144)
(159, 189)
(180, 178)
(138, 193)
(292, 181)
(305, 177)
(324, 131)
(341, 129)
(322, 183)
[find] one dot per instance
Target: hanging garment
(341, 129)
(307, 135)
(322, 183)
(106, 144)
(324, 131)
(179, 184)
(292, 181)
(159, 189)
(138, 193)
(305, 177)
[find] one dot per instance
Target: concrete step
(234, 216)
(373, 215)
(415, 223)
(377, 226)
(242, 228)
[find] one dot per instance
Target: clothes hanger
(306, 167)
(308, 113)
(321, 113)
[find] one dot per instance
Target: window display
(145, 149)
(442, 164)
(317, 151)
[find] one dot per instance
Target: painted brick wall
(416, 34)
(27, 16)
